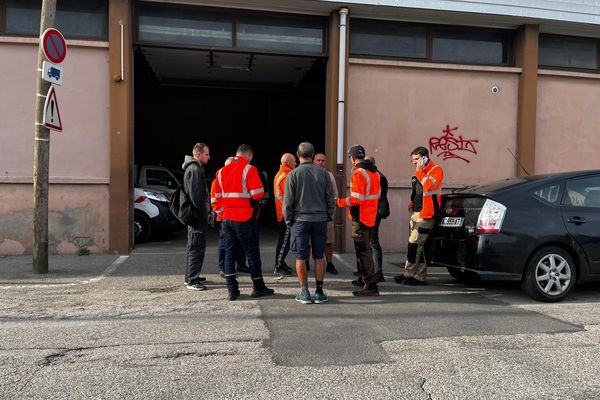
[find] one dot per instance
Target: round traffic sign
(54, 45)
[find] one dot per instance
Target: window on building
(184, 25)
(373, 38)
(389, 39)
(568, 52)
(74, 18)
(287, 33)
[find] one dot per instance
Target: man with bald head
(288, 163)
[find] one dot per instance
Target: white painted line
(111, 268)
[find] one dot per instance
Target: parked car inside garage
(542, 230)
(152, 215)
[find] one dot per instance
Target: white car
(151, 214)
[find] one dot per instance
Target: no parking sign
(54, 45)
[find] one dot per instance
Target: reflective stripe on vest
(432, 192)
(277, 195)
(245, 194)
(368, 196)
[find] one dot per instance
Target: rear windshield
(494, 186)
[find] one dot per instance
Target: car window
(584, 192)
(157, 177)
(550, 194)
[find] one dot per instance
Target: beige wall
(568, 123)
(394, 107)
(79, 156)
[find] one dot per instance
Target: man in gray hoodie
(308, 203)
(194, 184)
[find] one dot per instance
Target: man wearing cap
(362, 211)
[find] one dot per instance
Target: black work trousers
(376, 247)
(283, 243)
(196, 247)
(245, 234)
(361, 234)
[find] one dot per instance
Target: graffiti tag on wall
(448, 146)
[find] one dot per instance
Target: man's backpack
(182, 207)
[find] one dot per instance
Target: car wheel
(463, 276)
(141, 228)
(550, 274)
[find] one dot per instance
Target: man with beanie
(362, 212)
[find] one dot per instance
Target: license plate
(452, 222)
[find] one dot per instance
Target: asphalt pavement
(109, 326)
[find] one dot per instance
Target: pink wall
(568, 123)
(395, 107)
(80, 155)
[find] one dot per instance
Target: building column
(527, 59)
(120, 187)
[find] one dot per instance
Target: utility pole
(41, 155)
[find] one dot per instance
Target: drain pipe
(341, 86)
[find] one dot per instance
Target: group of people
(305, 199)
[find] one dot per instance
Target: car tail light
(491, 217)
(140, 199)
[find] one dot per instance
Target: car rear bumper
(492, 257)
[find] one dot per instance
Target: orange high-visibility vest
(431, 179)
(236, 184)
(365, 190)
(215, 200)
(278, 188)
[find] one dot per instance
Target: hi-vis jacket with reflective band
(278, 187)
(235, 185)
(215, 201)
(365, 190)
(431, 179)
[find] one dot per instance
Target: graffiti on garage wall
(450, 146)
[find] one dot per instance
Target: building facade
(494, 89)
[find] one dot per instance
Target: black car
(541, 230)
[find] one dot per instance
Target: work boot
(400, 278)
(379, 277)
(233, 294)
(331, 268)
(282, 271)
(412, 281)
(358, 282)
(367, 292)
(260, 289)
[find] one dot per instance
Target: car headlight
(157, 196)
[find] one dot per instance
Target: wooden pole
(41, 155)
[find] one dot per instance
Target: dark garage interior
(224, 99)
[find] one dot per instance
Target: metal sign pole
(41, 155)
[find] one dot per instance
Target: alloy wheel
(553, 274)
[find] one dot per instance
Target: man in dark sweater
(194, 184)
(308, 203)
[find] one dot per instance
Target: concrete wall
(568, 122)
(394, 107)
(79, 156)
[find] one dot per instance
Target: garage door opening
(272, 102)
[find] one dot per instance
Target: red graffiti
(449, 144)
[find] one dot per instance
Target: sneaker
(400, 278)
(243, 269)
(199, 279)
(261, 292)
(366, 293)
(412, 281)
(379, 277)
(196, 286)
(304, 297)
(281, 270)
(331, 268)
(320, 298)
(233, 294)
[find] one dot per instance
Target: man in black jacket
(194, 184)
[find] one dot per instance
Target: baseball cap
(356, 151)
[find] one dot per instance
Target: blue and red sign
(54, 45)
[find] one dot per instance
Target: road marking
(111, 268)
